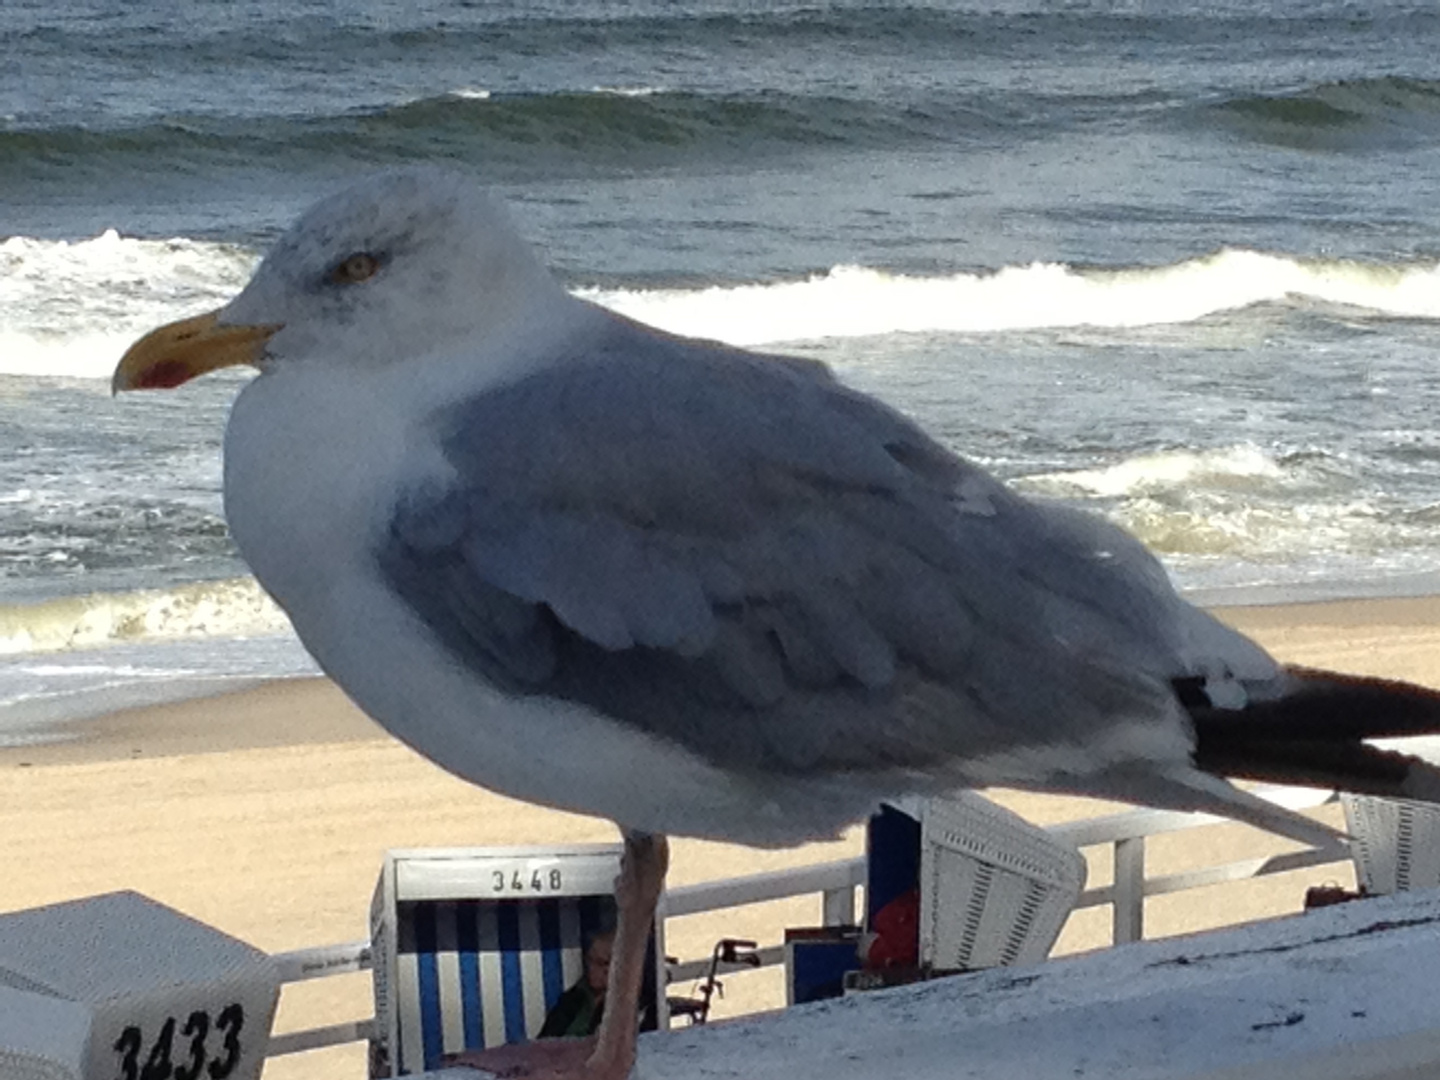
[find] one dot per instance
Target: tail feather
(1357, 768)
(1314, 734)
(1331, 706)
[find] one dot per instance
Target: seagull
(698, 590)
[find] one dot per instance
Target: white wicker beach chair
(1395, 844)
(473, 946)
(994, 889)
(990, 888)
(120, 985)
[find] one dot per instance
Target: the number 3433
(206, 1048)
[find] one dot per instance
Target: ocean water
(1178, 263)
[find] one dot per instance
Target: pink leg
(637, 891)
(610, 1053)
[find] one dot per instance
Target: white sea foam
(79, 656)
(1270, 541)
(853, 301)
(69, 308)
(627, 91)
(1225, 467)
(236, 607)
(1241, 505)
(78, 356)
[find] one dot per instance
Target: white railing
(1127, 832)
(321, 963)
(836, 882)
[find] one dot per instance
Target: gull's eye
(361, 266)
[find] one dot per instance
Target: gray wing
(740, 555)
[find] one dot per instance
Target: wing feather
(739, 554)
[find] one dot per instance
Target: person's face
(597, 963)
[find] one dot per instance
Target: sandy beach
(266, 812)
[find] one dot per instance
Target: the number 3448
(197, 1039)
(515, 881)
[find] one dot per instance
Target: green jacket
(575, 1013)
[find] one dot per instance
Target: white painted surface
(1343, 992)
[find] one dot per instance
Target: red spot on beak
(166, 375)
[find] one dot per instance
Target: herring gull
(694, 589)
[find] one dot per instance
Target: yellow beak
(178, 352)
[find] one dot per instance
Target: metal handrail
(322, 961)
(758, 888)
(297, 1042)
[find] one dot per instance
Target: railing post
(837, 907)
(1129, 914)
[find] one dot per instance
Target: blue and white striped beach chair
(473, 946)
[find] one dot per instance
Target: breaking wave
(1230, 467)
(69, 309)
(1242, 505)
(231, 608)
(851, 301)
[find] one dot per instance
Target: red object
(896, 927)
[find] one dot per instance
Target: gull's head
(406, 263)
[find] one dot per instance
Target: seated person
(578, 1010)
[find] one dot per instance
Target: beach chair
(473, 946)
(120, 985)
(966, 883)
(1395, 844)
(994, 889)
